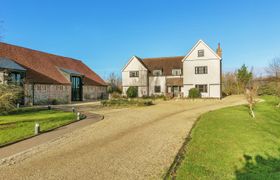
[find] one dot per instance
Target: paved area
(132, 143)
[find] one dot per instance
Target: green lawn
(21, 124)
(229, 144)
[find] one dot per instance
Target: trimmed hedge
(127, 102)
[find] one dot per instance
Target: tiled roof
(44, 67)
(166, 64)
(174, 81)
(6, 63)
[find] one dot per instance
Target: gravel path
(132, 143)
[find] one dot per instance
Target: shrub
(127, 102)
(9, 96)
(115, 95)
(194, 93)
(267, 89)
(132, 92)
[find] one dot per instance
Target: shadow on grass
(259, 167)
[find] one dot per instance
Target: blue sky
(105, 34)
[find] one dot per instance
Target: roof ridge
(39, 51)
(163, 57)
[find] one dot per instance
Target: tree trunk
(252, 112)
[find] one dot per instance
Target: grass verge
(229, 144)
(20, 124)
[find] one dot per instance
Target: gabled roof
(198, 42)
(137, 58)
(166, 64)
(42, 67)
(6, 63)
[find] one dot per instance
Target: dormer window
(176, 72)
(157, 72)
(200, 53)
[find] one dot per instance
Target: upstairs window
(201, 70)
(201, 87)
(176, 72)
(157, 72)
(200, 53)
(134, 74)
(157, 89)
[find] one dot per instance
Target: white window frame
(200, 53)
(201, 69)
(159, 89)
(174, 72)
(157, 72)
(133, 74)
(203, 88)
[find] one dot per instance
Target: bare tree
(230, 84)
(115, 83)
(273, 68)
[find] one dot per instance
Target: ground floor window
(15, 78)
(157, 89)
(201, 87)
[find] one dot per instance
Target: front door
(76, 90)
(175, 90)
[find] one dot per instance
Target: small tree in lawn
(243, 77)
(132, 92)
(250, 96)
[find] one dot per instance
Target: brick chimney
(219, 50)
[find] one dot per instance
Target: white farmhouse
(201, 68)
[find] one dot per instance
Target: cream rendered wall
(141, 82)
(212, 78)
(157, 81)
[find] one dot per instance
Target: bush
(132, 92)
(267, 89)
(127, 102)
(194, 93)
(9, 96)
(115, 95)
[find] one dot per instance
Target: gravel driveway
(131, 143)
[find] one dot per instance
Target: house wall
(46, 92)
(157, 81)
(141, 82)
(212, 78)
(94, 92)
